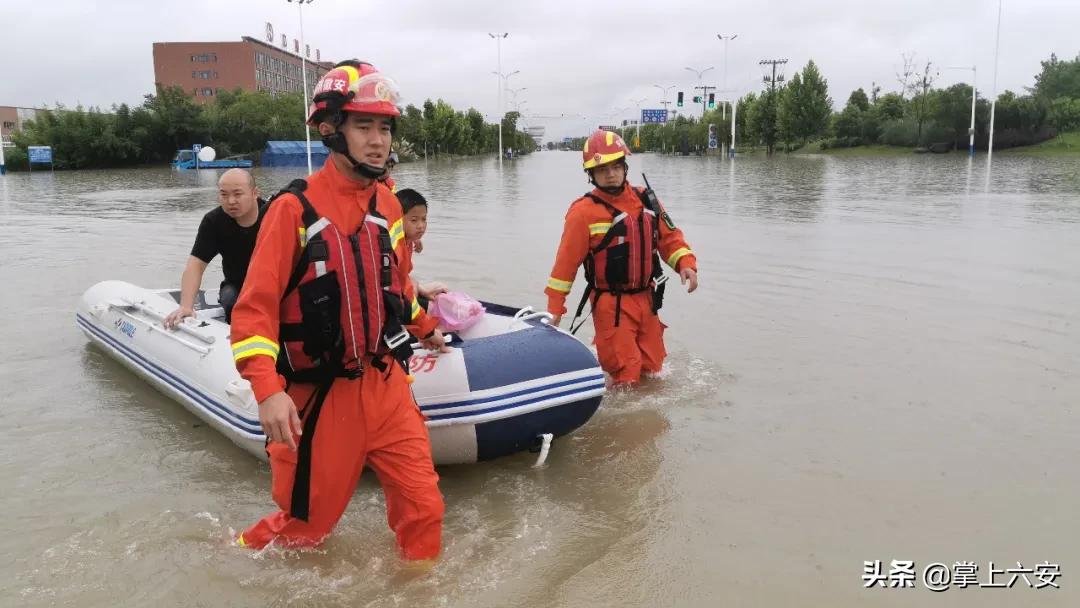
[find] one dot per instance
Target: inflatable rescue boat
(510, 383)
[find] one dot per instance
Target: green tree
(890, 106)
(859, 100)
(789, 113)
(919, 90)
(1064, 113)
(952, 112)
(1057, 79)
(816, 104)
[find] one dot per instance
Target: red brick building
(204, 69)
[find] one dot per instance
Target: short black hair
(410, 198)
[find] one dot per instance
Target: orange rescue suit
(372, 419)
(629, 335)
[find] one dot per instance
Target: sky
(581, 63)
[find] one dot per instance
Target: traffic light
(697, 98)
(712, 100)
(679, 100)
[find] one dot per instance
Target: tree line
(917, 114)
(235, 123)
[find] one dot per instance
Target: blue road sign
(653, 116)
(40, 154)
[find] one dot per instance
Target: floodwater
(882, 363)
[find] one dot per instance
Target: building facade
(205, 69)
(12, 119)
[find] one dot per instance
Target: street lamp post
(971, 129)
(498, 49)
(514, 92)
(303, 76)
(504, 80)
(726, 40)
(665, 90)
(700, 74)
(637, 137)
(734, 109)
(993, 101)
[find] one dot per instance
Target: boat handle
(544, 316)
(523, 312)
(448, 340)
(155, 327)
(150, 312)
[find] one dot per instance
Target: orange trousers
(636, 344)
(372, 420)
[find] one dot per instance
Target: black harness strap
(299, 504)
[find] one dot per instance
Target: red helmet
(603, 147)
(353, 86)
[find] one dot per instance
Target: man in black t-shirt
(228, 230)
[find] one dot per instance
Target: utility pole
(725, 40)
(771, 81)
(499, 111)
(303, 76)
(993, 100)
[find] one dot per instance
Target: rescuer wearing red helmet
(622, 234)
(321, 330)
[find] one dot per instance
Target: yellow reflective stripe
(255, 345)
(678, 255)
(415, 309)
(240, 541)
(303, 236)
(251, 352)
(397, 232)
(601, 228)
(256, 339)
(557, 285)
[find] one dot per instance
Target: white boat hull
(512, 378)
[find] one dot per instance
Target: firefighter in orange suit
(622, 235)
(320, 332)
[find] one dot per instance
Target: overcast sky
(580, 58)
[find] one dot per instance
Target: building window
(9, 125)
(208, 92)
(213, 57)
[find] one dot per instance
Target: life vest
(623, 261)
(344, 300)
(627, 258)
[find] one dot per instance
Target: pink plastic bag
(456, 311)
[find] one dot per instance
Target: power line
(770, 136)
(772, 80)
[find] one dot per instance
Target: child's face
(416, 223)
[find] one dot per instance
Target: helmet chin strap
(612, 190)
(336, 142)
